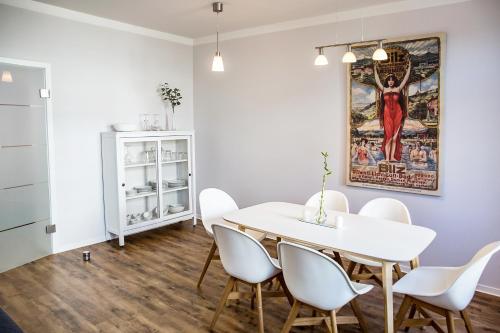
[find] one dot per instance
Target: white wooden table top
(375, 238)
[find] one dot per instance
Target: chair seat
(427, 281)
(428, 284)
(362, 261)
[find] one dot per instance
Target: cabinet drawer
(23, 165)
(22, 205)
(20, 125)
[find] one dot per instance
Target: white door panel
(24, 175)
(23, 165)
(23, 205)
(27, 242)
(22, 125)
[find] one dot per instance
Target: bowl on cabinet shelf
(125, 127)
(176, 182)
(175, 208)
(144, 189)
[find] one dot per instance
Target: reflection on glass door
(175, 176)
(141, 179)
(24, 175)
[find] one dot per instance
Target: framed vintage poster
(394, 116)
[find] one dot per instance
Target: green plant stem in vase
(321, 215)
(172, 96)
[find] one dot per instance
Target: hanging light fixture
(349, 57)
(7, 76)
(320, 60)
(379, 53)
(217, 64)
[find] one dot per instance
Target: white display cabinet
(148, 180)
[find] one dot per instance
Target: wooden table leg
(388, 300)
(415, 263)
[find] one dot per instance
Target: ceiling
(194, 18)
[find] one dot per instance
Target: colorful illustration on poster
(395, 112)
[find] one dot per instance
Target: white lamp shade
(6, 76)
(217, 64)
(379, 54)
(321, 60)
(349, 57)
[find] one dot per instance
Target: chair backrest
(213, 204)
(461, 291)
(314, 278)
(242, 255)
(387, 208)
(334, 200)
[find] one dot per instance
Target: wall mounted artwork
(395, 114)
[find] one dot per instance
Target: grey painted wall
(262, 123)
(100, 77)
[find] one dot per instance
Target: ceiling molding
(95, 20)
(377, 10)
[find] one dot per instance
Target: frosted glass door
(141, 181)
(175, 173)
(24, 180)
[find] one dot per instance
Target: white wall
(100, 76)
(262, 123)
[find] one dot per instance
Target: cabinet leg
(194, 221)
(121, 240)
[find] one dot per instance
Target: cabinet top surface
(136, 134)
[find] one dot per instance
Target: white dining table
(381, 240)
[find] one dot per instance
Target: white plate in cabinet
(134, 160)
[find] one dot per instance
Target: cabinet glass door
(141, 181)
(175, 173)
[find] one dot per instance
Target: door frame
(50, 132)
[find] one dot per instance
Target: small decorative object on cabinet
(134, 163)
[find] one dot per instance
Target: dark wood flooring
(150, 286)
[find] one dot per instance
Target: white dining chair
(213, 204)
(442, 290)
(317, 281)
(333, 200)
(247, 261)
(385, 208)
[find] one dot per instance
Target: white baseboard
(488, 290)
(86, 242)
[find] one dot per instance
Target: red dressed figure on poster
(392, 113)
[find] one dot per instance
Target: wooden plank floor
(150, 286)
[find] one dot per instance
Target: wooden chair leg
(413, 311)
(220, 306)
(288, 295)
(450, 323)
(468, 323)
(207, 263)
(360, 270)
(434, 324)
(338, 259)
(259, 308)
(291, 317)
(402, 312)
(252, 301)
(357, 312)
(350, 268)
(399, 273)
(333, 321)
